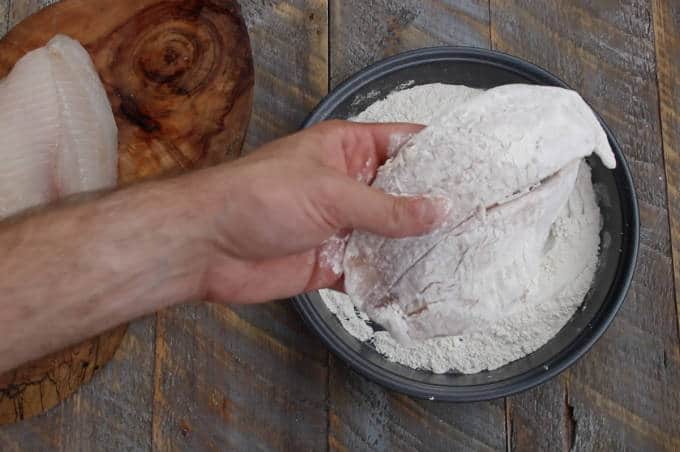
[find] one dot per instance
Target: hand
(280, 205)
(247, 231)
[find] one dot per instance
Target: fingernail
(433, 211)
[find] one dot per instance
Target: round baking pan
(485, 69)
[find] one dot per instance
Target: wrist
(166, 241)
(186, 234)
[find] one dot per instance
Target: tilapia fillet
(507, 160)
(58, 133)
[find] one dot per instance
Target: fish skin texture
(59, 136)
(507, 161)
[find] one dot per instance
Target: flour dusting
(331, 254)
(567, 267)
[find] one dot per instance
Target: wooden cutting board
(179, 75)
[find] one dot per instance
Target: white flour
(331, 253)
(565, 276)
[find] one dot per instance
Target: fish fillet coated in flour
(507, 160)
(58, 133)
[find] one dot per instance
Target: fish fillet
(507, 160)
(59, 136)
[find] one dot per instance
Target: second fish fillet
(59, 136)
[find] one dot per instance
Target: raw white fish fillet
(58, 133)
(507, 160)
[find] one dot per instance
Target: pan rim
(565, 357)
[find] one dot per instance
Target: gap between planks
(665, 42)
(506, 400)
(329, 65)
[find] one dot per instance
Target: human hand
(278, 207)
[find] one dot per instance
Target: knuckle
(398, 212)
(328, 203)
(406, 216)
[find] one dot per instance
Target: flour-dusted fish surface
(59, 136)
(507, 160)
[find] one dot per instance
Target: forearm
(254, 230)
(76, 270)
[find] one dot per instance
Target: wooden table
(205, 377)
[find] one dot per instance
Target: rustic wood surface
(626, 393)
(254, 378)
(179, 76)
(667, 34)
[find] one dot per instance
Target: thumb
(369, 209)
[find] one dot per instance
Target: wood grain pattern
(111, 412)
(667, 40)
(364, 416)
(179, 77)
(365, 32)
(39, 385)
(16, 11)
(238, 379)
(252, 377)
(291, 64)
(624, 393)
(554, 432)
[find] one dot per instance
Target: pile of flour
(567, 268)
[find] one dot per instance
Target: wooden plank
(554, 432)
(667, 40)
(252, 377)
(14, 11)
(4, 16)
(624, 393)
(238, 379)
(112, 412)
(365, 417)
(290, 48)
(362, 415)
(364, 32)
(18, 10)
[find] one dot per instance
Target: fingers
(361, 141)
(365, 208)
(370, 209)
